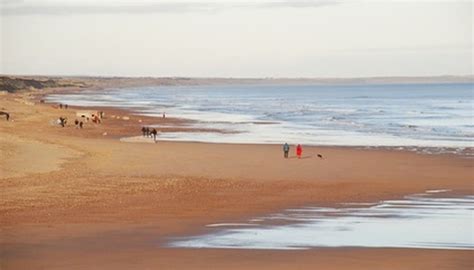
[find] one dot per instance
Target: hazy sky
(319, 38)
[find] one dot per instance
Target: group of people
(286, 150)
(78, 123)
(147, 132)
(62, 121)
(95, 119)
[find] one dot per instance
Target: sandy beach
(83, 199)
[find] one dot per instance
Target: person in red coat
(299, 150)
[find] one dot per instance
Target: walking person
(299, 151)
(143, 131)
(62, 121)
(153, 133)
(286, 150)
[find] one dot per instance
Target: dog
(320, 156)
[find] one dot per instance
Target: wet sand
(91, 201)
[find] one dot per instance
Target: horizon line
(241, 78)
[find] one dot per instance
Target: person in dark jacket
(286, 150)
(153, 133)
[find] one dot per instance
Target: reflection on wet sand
(426, 220)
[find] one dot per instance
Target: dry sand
(78, 199)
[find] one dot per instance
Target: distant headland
(14, 83)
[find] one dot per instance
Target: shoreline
(464, 151)
(109, 204)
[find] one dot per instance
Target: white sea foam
(423, 115)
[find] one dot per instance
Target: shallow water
(424, 115)
(426, 220)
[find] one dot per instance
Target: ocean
(394, 115)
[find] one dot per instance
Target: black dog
(320, 156)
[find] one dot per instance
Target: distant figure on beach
(153, 133)
(62, 121)
(76, 123)
(60, 105)
(81, 124)
(286, 149)
(95, 119)
(143, 131)
(7, 115)
(147, 131)
(65, 106)
(164, 115)
(299, 151)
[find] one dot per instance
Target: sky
(236, 38)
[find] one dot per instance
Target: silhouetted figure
(286, 150)
(153, 133)
(7, 115)
(65, 106)
(81, 124)
(76, 122)
(164, 115)
(147, 131)
(62, 121)
(60, 106)
(143, 131)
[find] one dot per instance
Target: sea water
(423, 115)
(425, 220)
